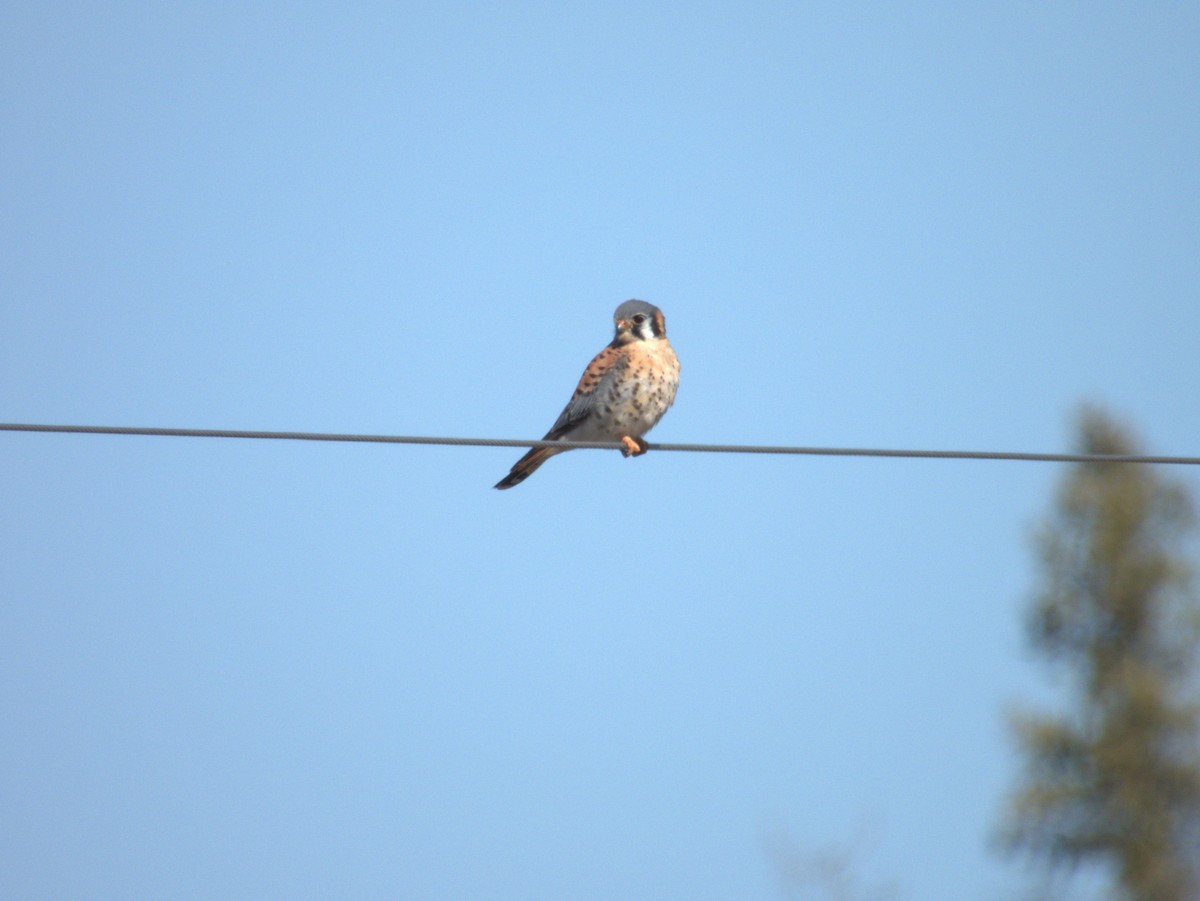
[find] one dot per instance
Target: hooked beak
(623, 325)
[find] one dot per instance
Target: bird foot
(634, 447)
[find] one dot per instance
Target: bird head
(637, 320)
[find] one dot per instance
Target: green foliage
(1116, 778)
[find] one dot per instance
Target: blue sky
(263, 669)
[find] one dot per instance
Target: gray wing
(605, 368)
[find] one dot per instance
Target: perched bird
(624, 391)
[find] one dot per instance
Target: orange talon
(634, 447)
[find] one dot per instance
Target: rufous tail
(524, 467)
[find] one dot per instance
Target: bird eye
(639, 318)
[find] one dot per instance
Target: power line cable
(605, 445)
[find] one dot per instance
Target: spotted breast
(632, 401)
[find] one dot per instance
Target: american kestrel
(624, 391)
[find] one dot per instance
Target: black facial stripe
(652, 326)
